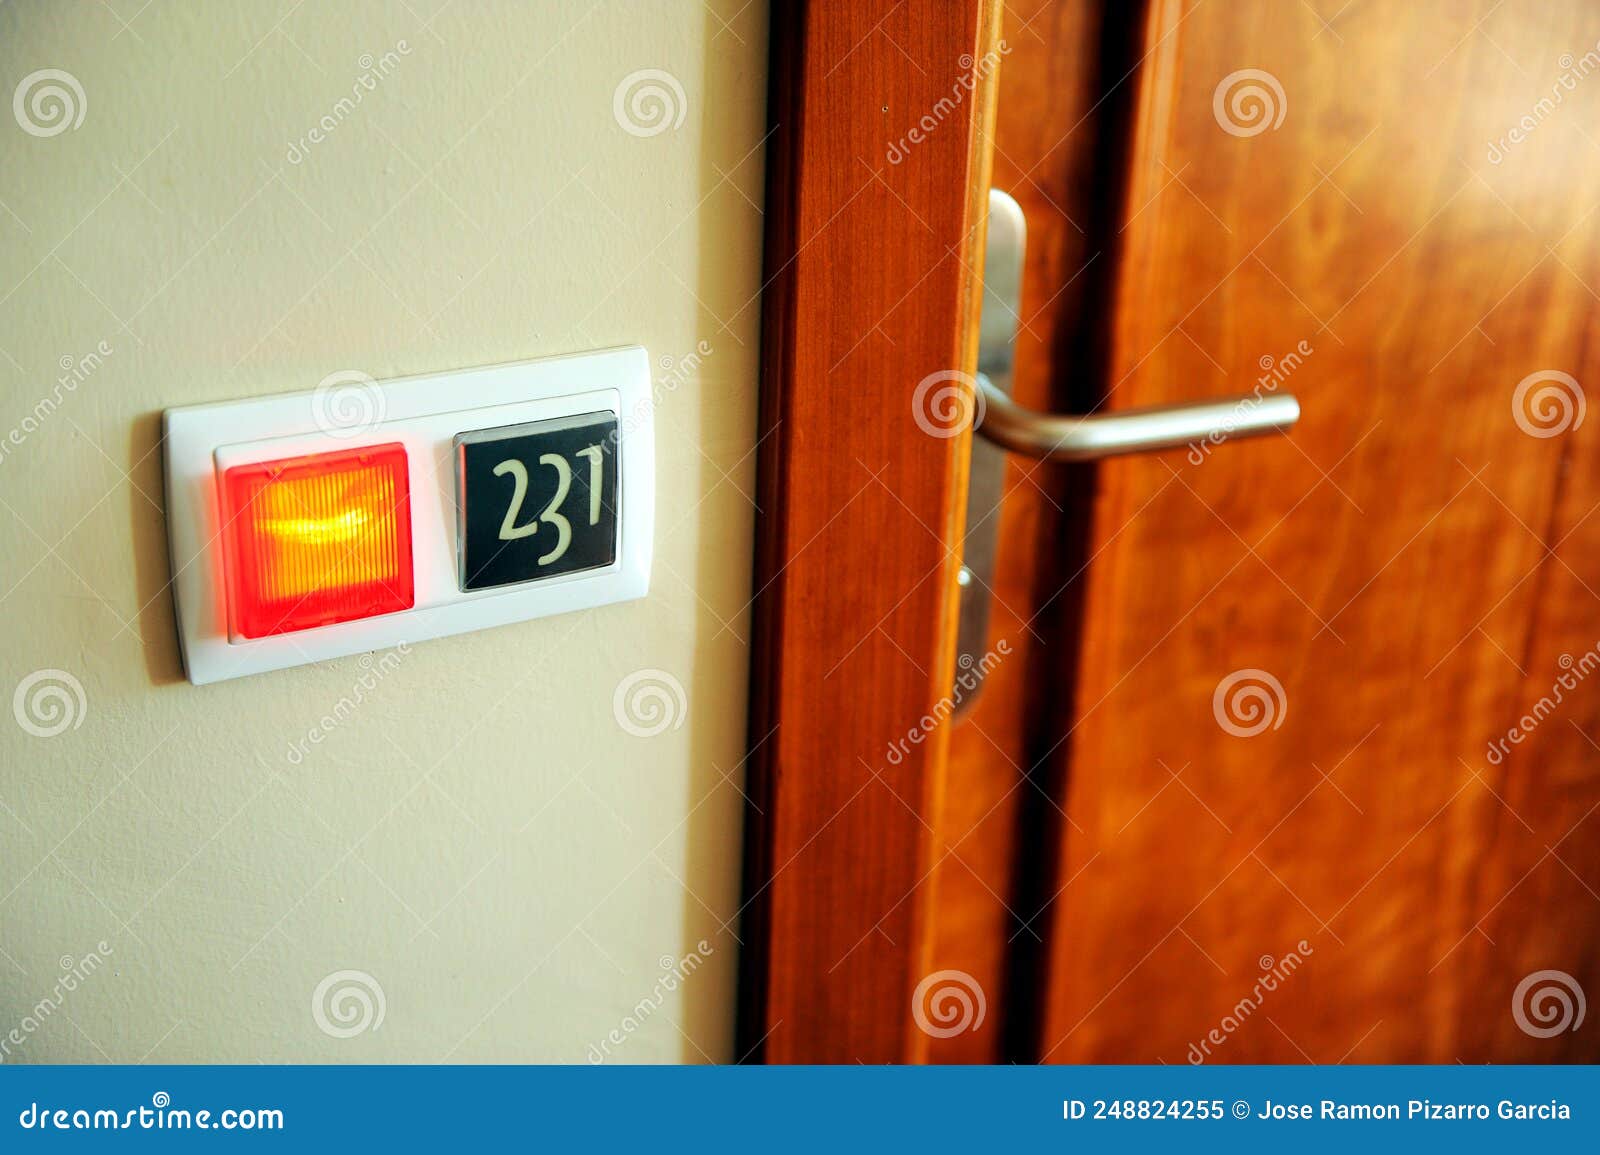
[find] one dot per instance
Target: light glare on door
(317, 539)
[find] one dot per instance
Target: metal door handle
(1058, 438)
(1003, 424)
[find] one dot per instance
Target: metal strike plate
(1001, 317)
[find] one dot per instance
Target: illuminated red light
(318, 539)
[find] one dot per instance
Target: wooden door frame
(876, 190)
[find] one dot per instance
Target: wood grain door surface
(1297, 760)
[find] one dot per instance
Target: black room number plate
(537, 500)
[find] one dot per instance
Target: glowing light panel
(317, 539)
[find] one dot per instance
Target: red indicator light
(318, 539)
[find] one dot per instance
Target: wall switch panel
(362, 514)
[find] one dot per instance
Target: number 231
(510, 530)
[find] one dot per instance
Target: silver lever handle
(1058, 438)
(1055, 437)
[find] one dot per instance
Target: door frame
(877, 180)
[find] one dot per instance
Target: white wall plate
(425, 414)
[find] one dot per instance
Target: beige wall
(480, 836)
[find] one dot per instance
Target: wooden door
(1295, 751)
(1300, 761)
